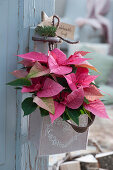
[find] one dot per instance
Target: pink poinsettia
(38, 70)
(84, 64)
(59, 64)
(56, 86)
(56, 63)
(59, 110)
(36, 85)
(50, 88)
(45, 87)
(32, 88)
(92, 93)
(19, 73)
(77, 59)
(80, 78)
(73, 100)
(35, 56)
(97, 108)
(27, 63)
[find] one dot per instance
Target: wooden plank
(3, 37)
(29, 15)
(12, 45)
(88, 162)
(8, 50)
(105, 160)
(72, 165)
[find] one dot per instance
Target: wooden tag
(64, 30)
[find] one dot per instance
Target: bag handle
(80, 129)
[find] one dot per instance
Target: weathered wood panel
(26, 153)
(8, 50)
(3, 37)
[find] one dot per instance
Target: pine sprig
(47, 31)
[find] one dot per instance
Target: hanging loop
(58, 21)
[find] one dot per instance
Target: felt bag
(58, 137)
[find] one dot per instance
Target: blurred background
(94, 22)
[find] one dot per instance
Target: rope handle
(80, 129)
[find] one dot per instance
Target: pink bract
(75, 99)
(19, 73)
(27, 63)
(45, 103)
(97, 108)
(35, 56)
(31, 88)
(59, 110)
(59, 64)
(82, 53)
(76, 59)
(80, 78)
(50, 88)
(84, 64)
(83, 78)
(92, 93)
(38, 70)
(71, 80)
(59, 56)
(56, 68)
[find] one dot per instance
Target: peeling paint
(36, 158)
(30, 167)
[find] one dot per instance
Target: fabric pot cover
(55, 138)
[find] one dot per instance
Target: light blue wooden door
(16, 17)
(8, 50)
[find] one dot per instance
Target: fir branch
(47, 31)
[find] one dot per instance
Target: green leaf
(20, 82)
(43, 112)
(28, 106)
(74, 69)
(65, 116)
(94, 84)
(18, 88)
(86, 100)
(87, 112)
(74, 115)
(62, 81)
(82, 112)
(24, 68)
